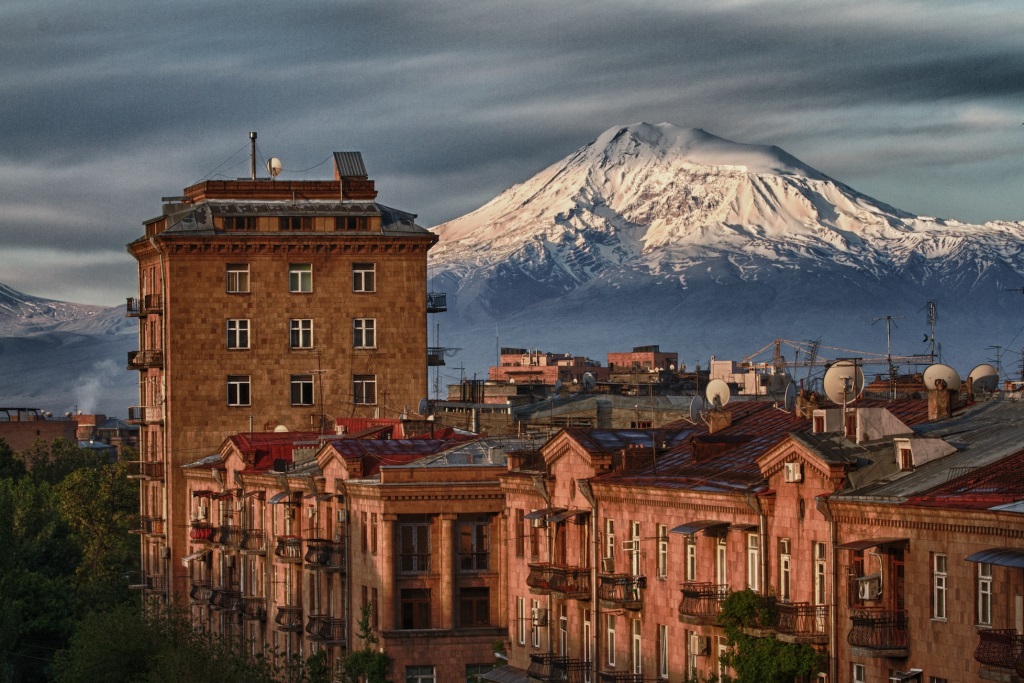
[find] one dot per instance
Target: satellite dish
(274, 167)
(423, 407)
(790, 399)
(984, 378)
(696, 405)
(843, 382)
(280, 429)
(717, 393)
(588, 381)
(941, 373)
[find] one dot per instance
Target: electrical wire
(210, 174)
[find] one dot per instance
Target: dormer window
(352, 223)
(905, 458)
(295, 223)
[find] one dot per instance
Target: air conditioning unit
(342, 516)
(699, 645)
(540, 616)
(869, 587)
(202, 512)
(794, 472)
(539, 523)
(608, 565)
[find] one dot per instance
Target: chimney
(806, 404)
(941, 402)
(718, 419)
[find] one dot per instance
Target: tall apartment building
(265, 305)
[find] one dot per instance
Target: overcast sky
(109, 105)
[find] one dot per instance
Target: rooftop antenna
(931, 316)
(252, 155)
(888, 350)
(320, 372)
(999, 358)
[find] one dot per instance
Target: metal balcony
(155, 583)
(879, 632)
(1002, 648)
(288, 549)
(146, 469)
(289, 619)
(254, 541)
(143, 360)
(623, 677)
(254, 609)
(228, 535)
(702, 602)
(550, 668)
(149, 303)
(435, 356)
(322, 554)
(801, 622)
(437, 302)
(148, 526)
(226, 600)
(571, 582)
(201, 592)
(622, 590)
(326, 629)
(144, 415)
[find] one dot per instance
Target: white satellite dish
(588, 381)
(280, 429)
(941, 373)
(790, 398)
(984, 378)
(717, 393)
(843, 382)
(274, 167)
(696, 406)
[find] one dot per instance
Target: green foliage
(762, 659)
(52, 462)
(366, 665)
(11, 466)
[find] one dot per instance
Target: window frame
(300, 333)
(940, 573)
(690, 572)
(300, 278)
(237, 278)
(475, 558)
(471, 600)
(610, 638)
(418, 560)
(418, 673)
(364, 277)
(983, 595)
(235, 384)
(304, 385)
(238, 334)
(415, 599)
(521, 620)
(364, 333)
(753, 562)
(534, 626)
(364, 390)
(661, 566)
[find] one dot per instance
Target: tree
(366, 665)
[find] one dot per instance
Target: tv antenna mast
(888, 350)
(319, 373)
(930, 317)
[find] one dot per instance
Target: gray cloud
(111, 105)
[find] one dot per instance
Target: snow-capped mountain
(661, 234)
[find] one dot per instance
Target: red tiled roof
(996, 484)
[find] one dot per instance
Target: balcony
(878, 632)
(1001, 648)
(254, 541)
(437, 302)
(228, 535)
(572, 582)
(551, 668)
(623, 677)
(147, 526)
(289, 619)
(622, 590)
(201, 532)
(326, 629)
(149, 303)
(145, 415)
(324, 554)
(155, 583)
(254, 609)
(147, 469)
(435, 356)
(801, 622)
(414, 563)
(288, 549)
(702, 602)
(227, 600)
(146, 359)
(201, 592)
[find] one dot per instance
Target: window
(415, 604)
(475, 672)
(300, 277)
(301, 336)
(295, 223)
(938, 586)
(662, 568)
(521, 619)
(302, 390)
(691, 559)
(636, 652)
(414, 547)
(364, 333)
(663, 651)
(237, 278)
(373, 608)
(721, 557)
(563, 631)
(609, 538)
(587, 644)
(906, 459)
(984, 594)
(535, 623)
(723, 670)
(474, 607)
(785, 570)
(365, 528)
(474, 546)
(364, 277)
(858, 674)
(610, 639)
(351, 223)
(238, 334)
(753, 560)
(373, 533)
(240, 223)
(238, 390)
(634, 558)
(520, 533)
(819, 574)
(419, 674)
(364, 389)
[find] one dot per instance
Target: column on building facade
(388, 599)
(446, 573)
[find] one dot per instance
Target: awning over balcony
(187, 560)
(690, 528)
(1004, 557)
(320, 497)
(542, 514)
(562, 516)
(743, 526)
(911, 675)
(866, 543)
(282, 497)
(506, 674)
(256, 492)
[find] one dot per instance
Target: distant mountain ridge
(677, 236)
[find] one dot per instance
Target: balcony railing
(801, 621)
(145, 414)
(201, 532)
(147, 469)
(437, 302)
(147, 358)
(414, 563)
(551, 668)
(324, 554)
(572, 582)
(878, 629)
(326, 629)
(289, 619)
(622, 590)
(289, 549)
(149, 303)
(227, 600)
(155, 583)
(1002, 647)
(228, 535)
(201, 591)
(435, 356)
(474, 562)
(254, 608)
(254, 541)
(702, 602)
(149, 526)
(623, 677)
